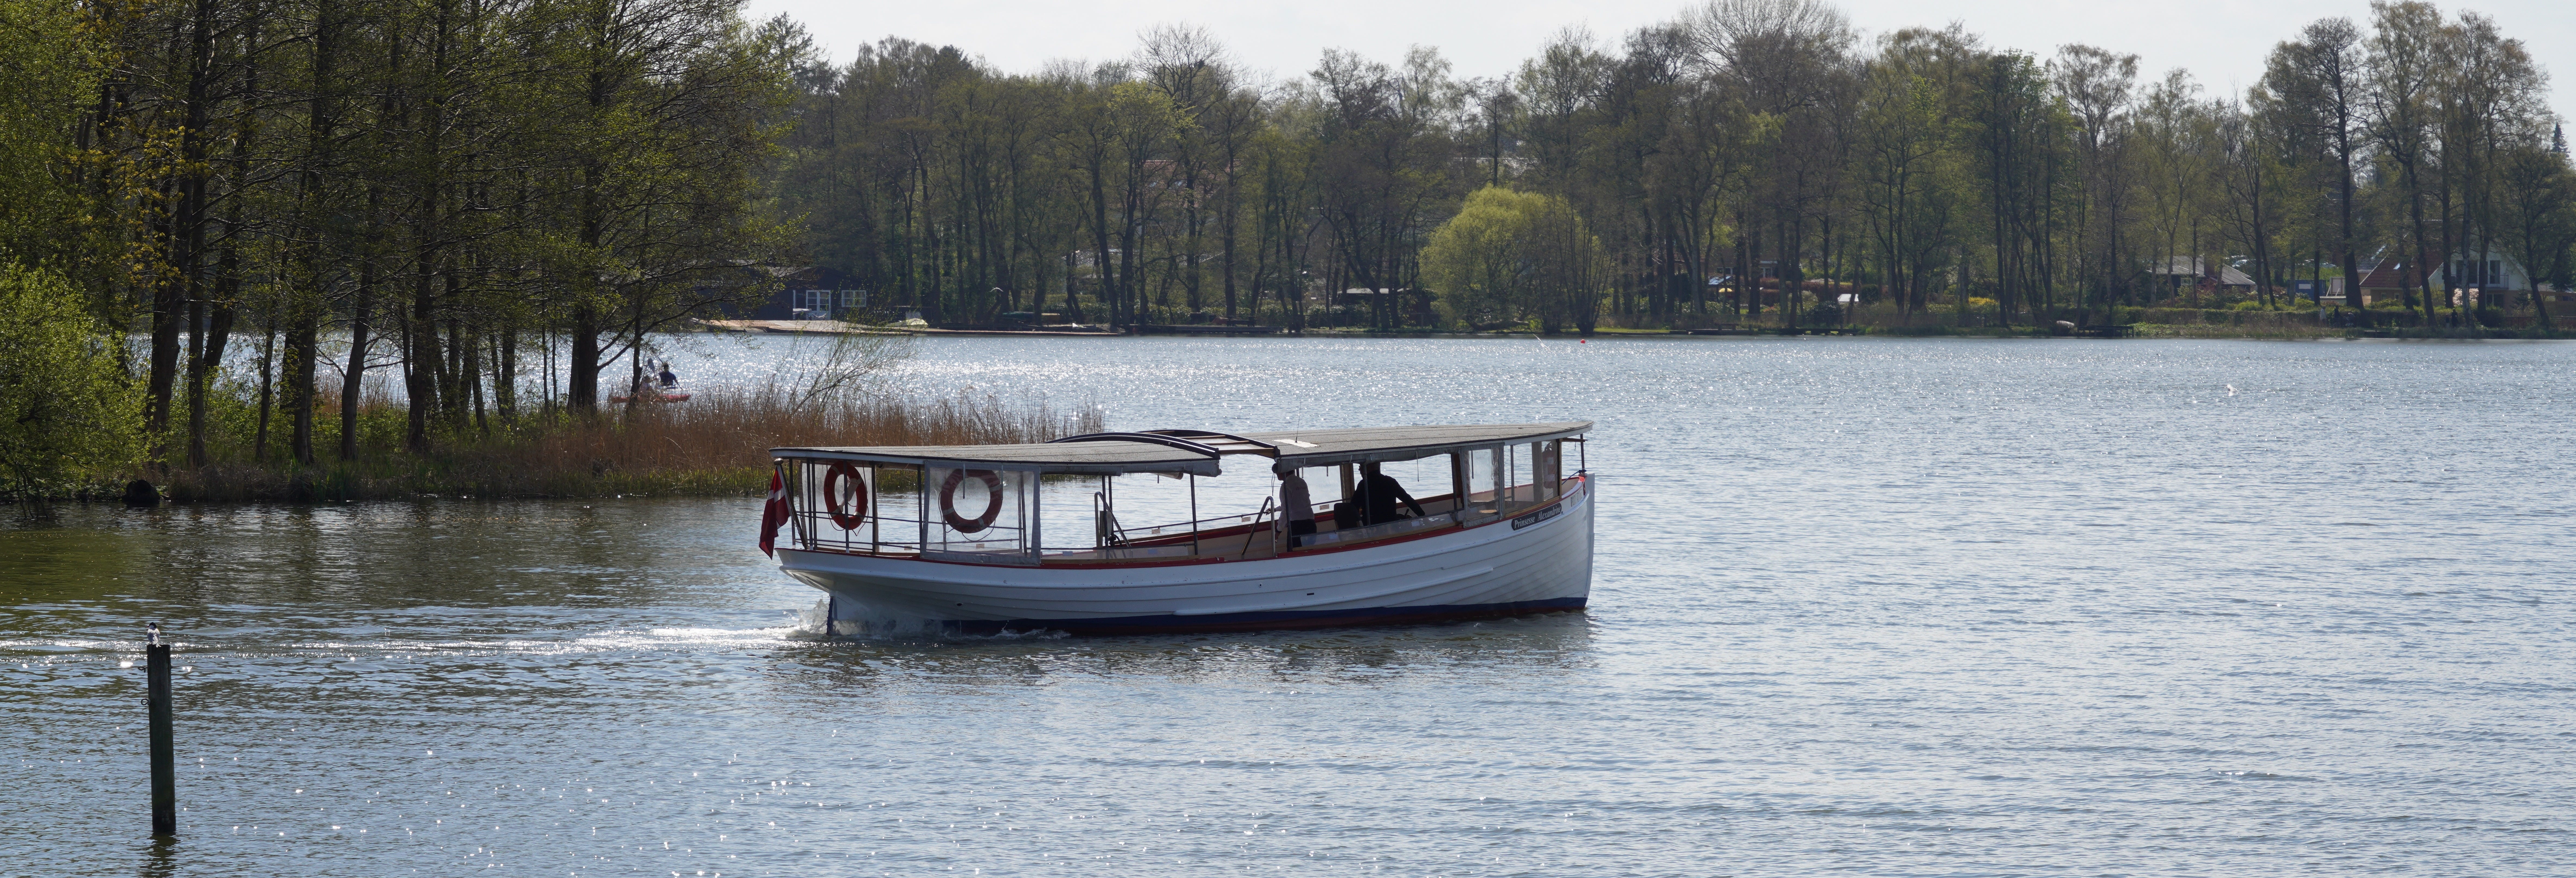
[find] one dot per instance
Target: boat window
(1478, 468)
(981, 512)
(1520, 480)
(1550, 470)
(1168, 516)
(850, 506)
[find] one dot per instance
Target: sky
(2221, 43)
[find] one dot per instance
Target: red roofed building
(2391, 279)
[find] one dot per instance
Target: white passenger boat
(989, 538)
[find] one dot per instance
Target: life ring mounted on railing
(992, 502)
(847, 514)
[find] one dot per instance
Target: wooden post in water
(165, 769)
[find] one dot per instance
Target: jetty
(838, 327)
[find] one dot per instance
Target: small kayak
(674, 396)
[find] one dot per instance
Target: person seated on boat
(668, 379)
(1296, 506)
(1378, 495)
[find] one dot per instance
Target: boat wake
(811, 625)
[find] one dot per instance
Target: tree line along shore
(445, 192)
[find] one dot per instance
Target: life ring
(847, 519)
(948, 500)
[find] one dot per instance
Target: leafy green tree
(1512, 258)
(47, 65)
(2311, 93)
(2536, 216)
(1476, 262)
(69, 414)
(2407, 45)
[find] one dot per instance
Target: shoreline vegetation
(2135, 323)
(715, 443)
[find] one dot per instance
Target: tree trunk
(582, 390)
(307, 297)
(505, 375)
(267, 388)
(421, 352)
(351, 387)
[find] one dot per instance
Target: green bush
(69, 415)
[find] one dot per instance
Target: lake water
(1862, 607)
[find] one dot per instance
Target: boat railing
(995, 543)
(1268, 504)
(877, 534)
(1172, 540)
(1106, 531)
(1177, 530)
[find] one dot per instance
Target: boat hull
(1540, 562)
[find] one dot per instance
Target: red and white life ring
(992, 503)
(855, 513)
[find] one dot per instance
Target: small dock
(1740, 329)
(836, 327)
(798, 327)
(1066, 331)
(1200, 329)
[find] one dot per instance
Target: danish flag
(773, 514)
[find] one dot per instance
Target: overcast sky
(2221, 43)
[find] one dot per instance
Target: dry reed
(717, 443)
(734, 429)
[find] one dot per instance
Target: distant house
(2390, 278)
(2208, 276)
(2492, 281)
(806, 293)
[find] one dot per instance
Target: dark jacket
(1378, 496)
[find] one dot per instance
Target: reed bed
(715, 444)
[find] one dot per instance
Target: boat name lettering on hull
(1552, 511)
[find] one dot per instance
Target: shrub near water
(69, 416)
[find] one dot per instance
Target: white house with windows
(2483, 278)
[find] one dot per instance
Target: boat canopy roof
(1197, 451)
